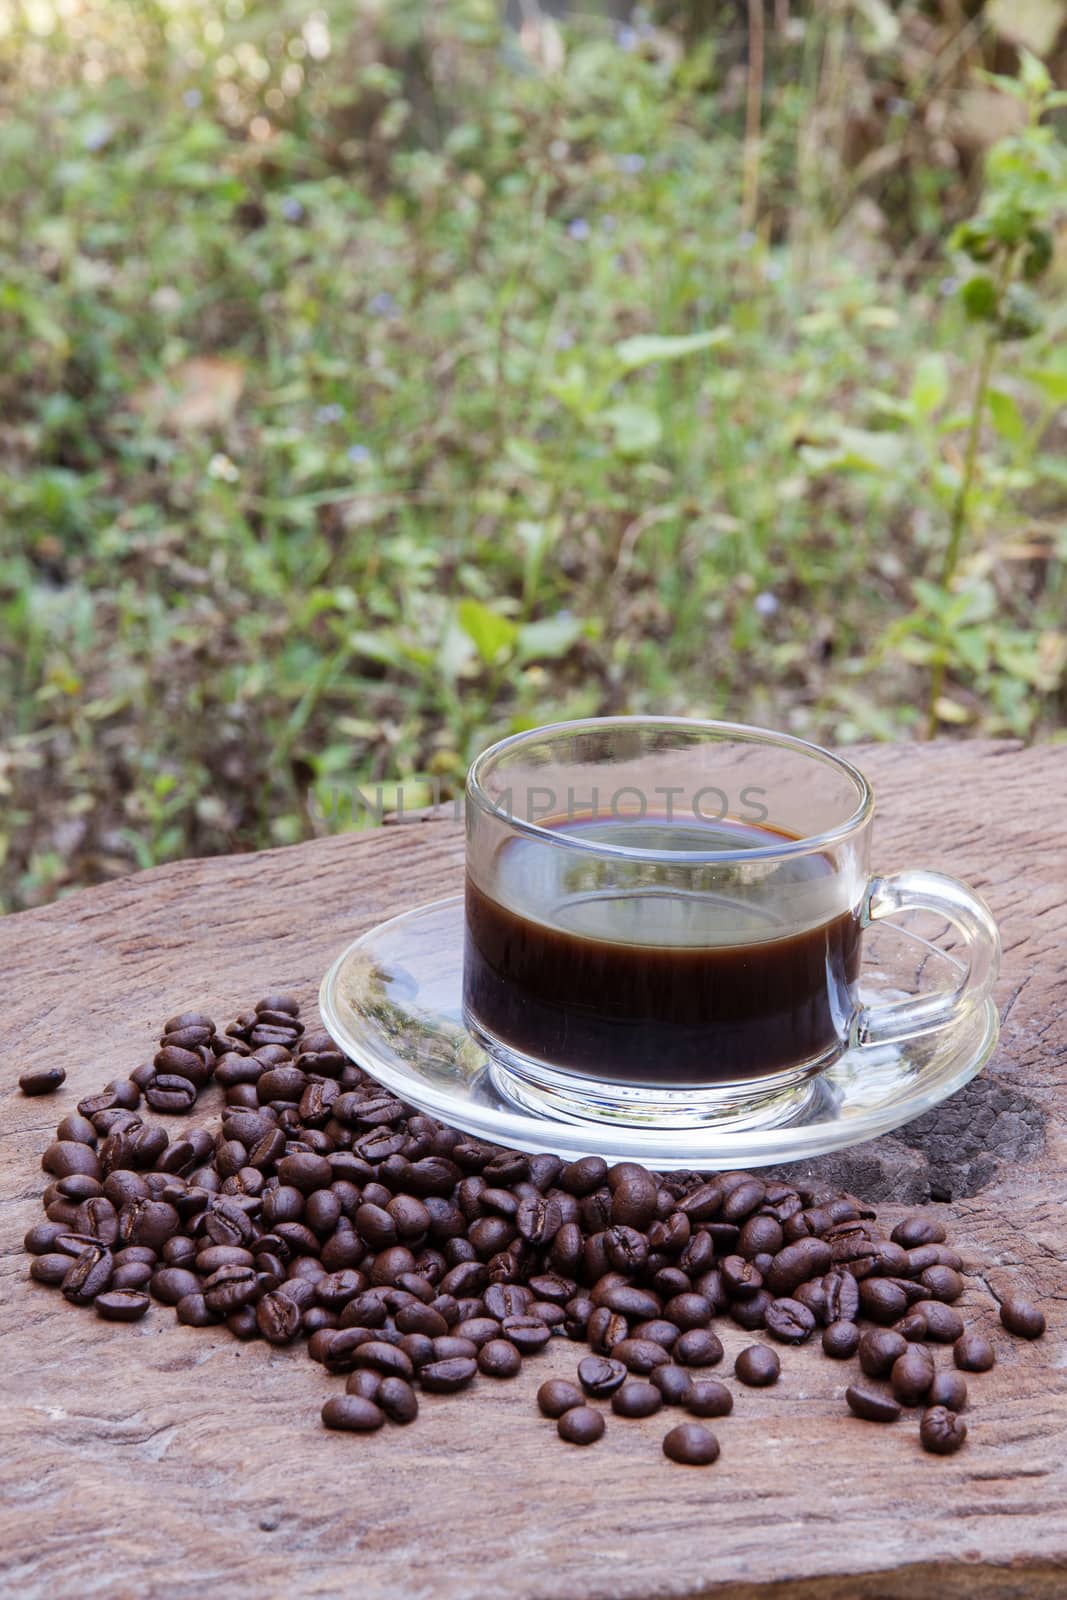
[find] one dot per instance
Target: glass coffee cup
(664, 920)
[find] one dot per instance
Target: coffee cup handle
(979, 959)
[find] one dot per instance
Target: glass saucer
(393, 1002)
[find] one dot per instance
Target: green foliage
(373, 385)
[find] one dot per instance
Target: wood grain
(168, 1461)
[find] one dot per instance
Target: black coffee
(635, 973)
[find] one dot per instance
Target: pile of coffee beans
(414, 1258)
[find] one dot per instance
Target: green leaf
(548, 638)
(1007, 418)
(644, 349)
(929, 388)
(488, 631)
(857, 450)
(1052, 380)
(979, 296)
(1033, 74)
(637, 429)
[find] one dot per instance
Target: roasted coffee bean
(584, 1176)
(916, 1230)
(972, 1352)
(760, 1234)
(912, 1327)
(134, 1275)
(795, 1263)
(605, 1329)
(742, 1200)
(352, 1413)
(688, 1311)
(878, 1349)
(42, 1080)
(702, 1203)
(789, 1321)
(76, 1128)
(169, 1284)
(636, 1398)
(230, 1288)
(634, 1195)
(751, 1314)
(384, 1358)
(499, 1358)
(628, 1300)
(447, 1348)
(870, 1405)
(943, 1325)
(840, 1340)
(556, 1396)
(698, 1347)
(67, 1156)
(528, 1334)
(640, 1355)
(50, 1268)
(742, 1278)
(942, 1283)
(88, 1276)
(41, 1237)
(445, 1377)
(658, 1330)
(1022, 1317)
(171, 1094)
(882, 1300)
(709, 1398)
(398, 1400)
(841, 1296)
(911, 1375)
(757, 1366)
(942, 1431)
(277, 1318)
(194, 1312)
(675, 1384)
(933, 1255)
(600, 1376)
(948, 1389)
(121, 1305)
(690, 1445)
(366, 1383)
(479, 1330)
(581, 1425)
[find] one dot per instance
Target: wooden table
(158, 1460)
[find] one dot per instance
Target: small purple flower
(382, 304)
(630, 164)
(766, 604)
(292, 210)
(948, 286)
(564, 339)
(579, 229)
(324, 415)
(193, 99)
(746, 239)
(627, 38)
(358, 454)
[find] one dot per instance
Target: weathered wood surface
(161, 1460)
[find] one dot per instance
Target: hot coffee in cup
(664, 918)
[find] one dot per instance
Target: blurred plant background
(377, 379)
